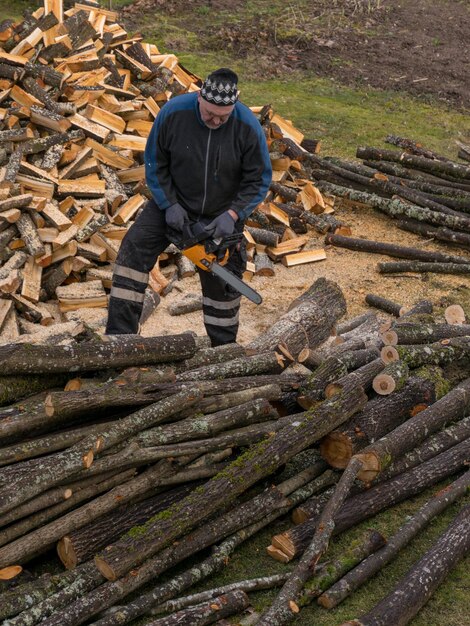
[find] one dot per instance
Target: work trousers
(144, 241)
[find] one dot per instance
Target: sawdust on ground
(355, 273)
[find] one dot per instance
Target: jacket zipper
(206, 171)
(217, 162)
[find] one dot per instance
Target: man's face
(212, 115)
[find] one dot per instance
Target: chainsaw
(210, 255)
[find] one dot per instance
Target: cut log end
(454, 314)
(75, 384)
(389, 354)
(88, 459)
(67, 553)
(390, 338)
(336, 449)
(384, 385)
(67, 494)
(7, 573)
(370, 467)
(105, 568)
(48, 406)
(332, 390)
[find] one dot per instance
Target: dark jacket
(207, 171)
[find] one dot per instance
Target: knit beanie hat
(220, 87)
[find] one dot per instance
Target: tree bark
(121, 351)
(382, 496)
(374, 563)
(57, 467)
(398, 208)
(252, 412)
(285, 607)
(418, 162)
(377, 456)
(307, 324)
(439, 233)
(265, 363)
(411, 333)
(391, 249)
(418, 266)
(266, 507)
(380, 416)
(14, 388)
(383, 304)
(31, 536)
(207, 613)
(80, 545)
(418, 585)
(260, 460)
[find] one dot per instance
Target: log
(378, 455)
(285, 606)
(234, 480)
(31, 537)
(391, 379)
(121, 351)
(80, 545)
(430, 448)
(380, 416)
(266, 363)
(363, 376)
(420, 267)
(418, 355)
(252, 412)
(374, 563)
(14, 388)
(391, 249)
(61, 465)
(307, 324)
(383, 304)
(398, 208)
(418, 585)
(209, 612)
(440, 233)
(252, 584)
(264, 507)
(406, 334)
(418, 162)
(209, 356)
(365, 504)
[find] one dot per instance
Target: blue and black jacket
(207, 171)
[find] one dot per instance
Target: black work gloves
(222, 226)
(176, 216)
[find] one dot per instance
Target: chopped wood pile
(179, 447)
(78, 96)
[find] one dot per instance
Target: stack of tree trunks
(128, 472)
(78, 96)
(425, 193)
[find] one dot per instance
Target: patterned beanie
(220, 87)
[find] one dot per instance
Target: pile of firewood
(131, 471)
(78, 97)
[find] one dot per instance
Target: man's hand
(223, 225)
(176, 216)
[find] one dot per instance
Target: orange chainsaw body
(198, 253)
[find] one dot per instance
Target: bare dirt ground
(418, 46)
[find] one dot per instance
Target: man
(206, 160)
